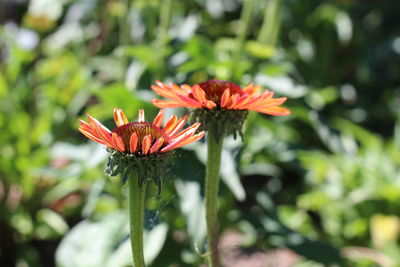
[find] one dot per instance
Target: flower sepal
(151, 167)
(220, 121)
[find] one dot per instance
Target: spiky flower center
(214, 89)
(141, 129)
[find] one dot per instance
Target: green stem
(244, 23)
(136, 213)
(272, 22)
(162, 35)
(211, 192)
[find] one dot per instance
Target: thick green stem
(211, 192)
(136, 213)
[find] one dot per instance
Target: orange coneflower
(219, 94)
(133, 145)
(223, 99)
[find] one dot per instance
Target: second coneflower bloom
(140, 146)
(222, 105)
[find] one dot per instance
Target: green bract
(151, 167)
(222, 121)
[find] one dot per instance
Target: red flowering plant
(141, 152)
(221, 107)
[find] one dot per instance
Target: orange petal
(210, 104)
(199, 93)
(178, 140)
(251, 89)
(101, 131)
(146, 143)
(275, 111)
(225, 98)
(242, 99)
(117, 142)
(234, 99)
(163, 91)
(170, 123)
(141, 115)
(190, 130)
(119, 117)
(191, 139)
(133, 142)
(93, 121)
(189, 102)
(154, 148)
(167, 103)
(250, 100)
(91, 136)
(173, 130)
(159, 119)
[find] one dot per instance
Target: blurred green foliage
(323, 182)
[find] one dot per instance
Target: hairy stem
(136, 214)
(211, 194)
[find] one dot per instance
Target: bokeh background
(318, 188)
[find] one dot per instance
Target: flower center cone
(214, 89)
(141, 129)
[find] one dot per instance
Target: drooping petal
(93, 121)
(178, 140)
(146, 143)
(163, 91)
(156, 146)
(91, 135)
(159, 119)
(210, 104)
(199, 93)
(171, 131)
(170, 123)
(133, 142)
(225, 98)
(234, 99)
(167, 103)
(189, 102)
(191, 139)
(190, 130)
(141, 115)
(117, 142)
(275, 111)
(101, 131)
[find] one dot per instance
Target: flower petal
(173, 130)
(159, 119)
(199, 93)
(146, 143)
(167, 103)
(275, 111)
(192, 129)
(225, 97)
(191, 139)
(156, 146)
(119, 117)
(170, 123)
(141, 115)
(117, 142)
(133, 142)
(189, 102)
(91, 135)
(210, 104)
